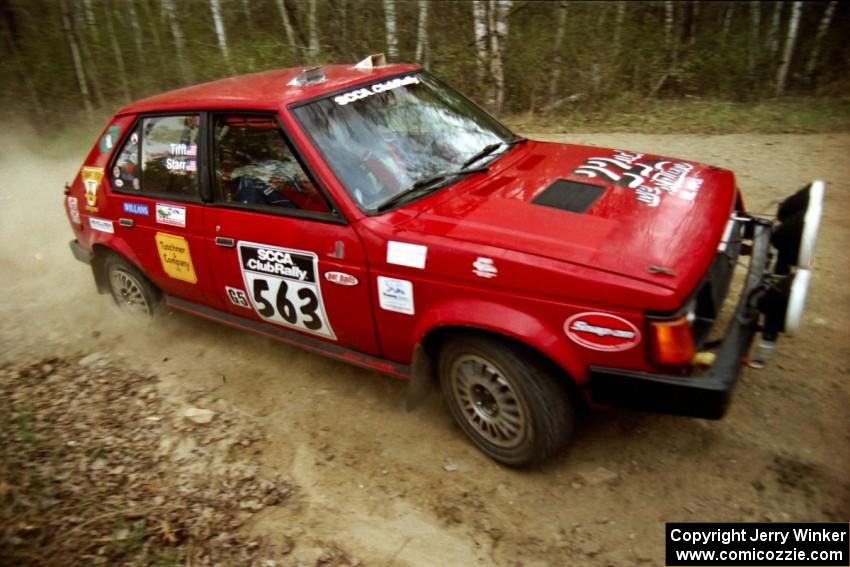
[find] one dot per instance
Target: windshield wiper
(490, 148)
(426, 185)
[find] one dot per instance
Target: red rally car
(372, 213)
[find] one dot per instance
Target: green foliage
(613, 56)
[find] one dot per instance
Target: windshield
(381, 139)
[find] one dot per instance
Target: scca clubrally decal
(283, 287)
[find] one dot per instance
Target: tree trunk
(618, 30)
(75, 55)
(392, 38)
(670, 42)
(313, 26)
(221, 33)
(287, 24)
(557, 61)
(137, 30)
(773, 30)
(170, 11)
(119, 56)
(86, 20)
(727, 21)
(755, 29)
(823, 27)
(788, 50)
(422, 34)
(246, 11)
(20, 66)
(498, 20)
(694, 20)
(479, 23)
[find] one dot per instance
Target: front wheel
(130, 289)
(510, 404)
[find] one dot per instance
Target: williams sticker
(395, 295)
(602, 331)
(175, 257)
(283, 288)
(140, 209)
(173, 215)
(92, 177)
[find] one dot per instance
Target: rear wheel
(130, 289)
(510, 404)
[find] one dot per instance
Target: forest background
(659, 66)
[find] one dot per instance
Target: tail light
(671, 341)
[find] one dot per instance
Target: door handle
(225, 242)
(126, 222)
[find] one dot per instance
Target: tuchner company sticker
(175, 257)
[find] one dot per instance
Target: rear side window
(160, 156)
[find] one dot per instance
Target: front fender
(509, 322)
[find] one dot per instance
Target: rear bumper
(80, 253)
(708, 394)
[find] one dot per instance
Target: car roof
(268, 90)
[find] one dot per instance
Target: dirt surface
(397, 488)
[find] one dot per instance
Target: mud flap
(421, 379)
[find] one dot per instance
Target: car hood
(642, 216)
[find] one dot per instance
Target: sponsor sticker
(484, 268)
(173, 215)
(175, 257)
(358, 94)
(237, 297)
(341, 278)
(602, 331)
(133, 208)
(92, 177)
(73, 210)
(395, 295)
(650, 177)
(404, 254)
(101, 225)
(283, 287)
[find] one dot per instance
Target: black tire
(129, 287)
(512, 405)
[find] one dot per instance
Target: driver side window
(255, 166)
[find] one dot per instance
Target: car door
(156, 189)
(280, 252)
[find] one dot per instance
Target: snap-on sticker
(175, 257)
(404, 254)
(395, 295)
(173, 215)
(237, 297)
(341, 278)
(101, 225)
(602, 331)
